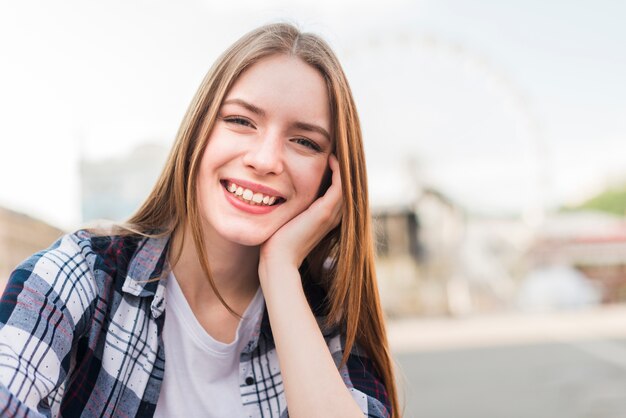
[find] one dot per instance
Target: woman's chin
(246, 238)
(249, 242)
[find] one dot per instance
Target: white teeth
(249, 196)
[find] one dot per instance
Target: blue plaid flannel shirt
(80, 335)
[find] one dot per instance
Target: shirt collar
(146, 276)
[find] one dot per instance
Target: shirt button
(249, 380)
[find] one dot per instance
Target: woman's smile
(247, 200)
(254, 194)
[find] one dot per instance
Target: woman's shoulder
(89, 247)
(79, 256)
(107, 249)
(71, 252)
(58, 279)
(85, 265)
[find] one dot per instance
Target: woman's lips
(250, 196)
(249, 206)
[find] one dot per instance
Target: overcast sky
(501, 105)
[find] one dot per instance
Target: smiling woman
(243, 286)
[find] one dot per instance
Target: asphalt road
(577, 379)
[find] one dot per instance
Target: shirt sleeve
(45, 306)
(361, 379)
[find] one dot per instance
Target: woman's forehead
(286, 85)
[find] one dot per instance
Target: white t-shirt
(201, 377)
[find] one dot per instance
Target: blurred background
(495, 135)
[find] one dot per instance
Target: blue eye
(307, 143)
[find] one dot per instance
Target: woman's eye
(238, 120)
(307, 143)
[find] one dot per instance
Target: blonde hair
(350, 279)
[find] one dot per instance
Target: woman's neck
(233, 267)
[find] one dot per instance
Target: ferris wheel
(464, 120)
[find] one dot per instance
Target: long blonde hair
(350, 278)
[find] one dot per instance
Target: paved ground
(459, 369)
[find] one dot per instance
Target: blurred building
(21, 236)
(435, 259)
(113, 188)
(418, 244)
(494, 259)
(594, 243)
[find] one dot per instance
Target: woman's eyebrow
(252, 108)
(312, 128)
(299, 125)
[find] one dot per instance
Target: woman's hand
(306, 363)
(292, 242)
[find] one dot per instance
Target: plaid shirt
(80, 335)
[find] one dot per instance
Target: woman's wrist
(277, 270)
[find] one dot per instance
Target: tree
(612, 200)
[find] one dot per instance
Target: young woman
(244, 286)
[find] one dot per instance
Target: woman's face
(268, 151)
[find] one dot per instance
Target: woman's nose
(266, 155)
